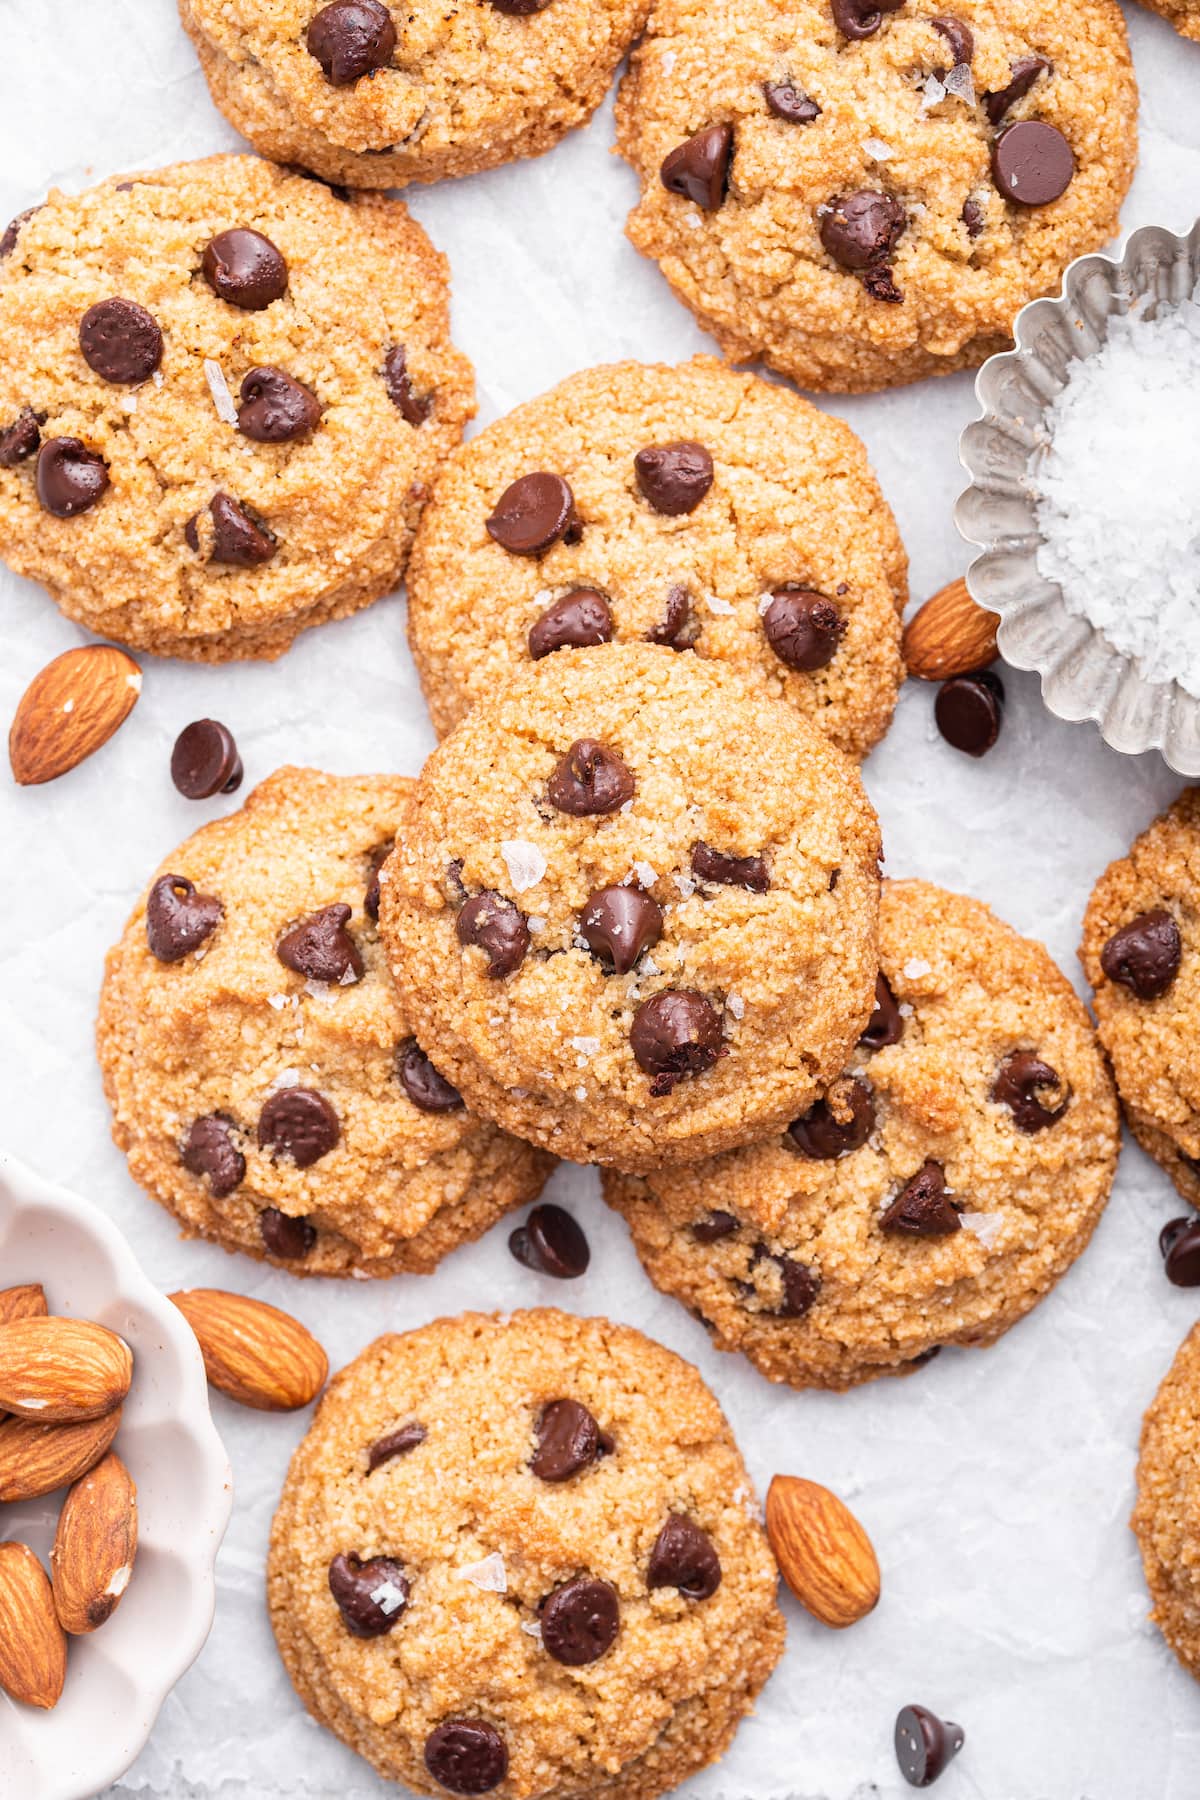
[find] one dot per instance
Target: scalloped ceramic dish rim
(172, 1658)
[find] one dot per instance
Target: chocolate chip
(674, 1034)
(121, 341)
(532, 513)
(568, 1439)
(713, 1227)
(320, 947)
(684, 1557)
(237, 539)
(577, 621)
(886, 1024)
(729, 871)
(19, 440)
(588, 780)
(921, 1208)
(1032, 163)
(862, 18)
(1144, 955)
(838, 1124)
(861, 230)
(208, 1149)
(799, 1285)
(244, 268)
(298, 1123)
(12, 231)
(973, 217)
(1179, 1242)
(925, 1745)
(467, 1756)
(680, 628)
(395, 1443)
(70, 478)
(398, 382)
(350, 39)
(285, 1236)
(803, 628)
(205, 761)
(371, 897)
(969, 711)
(518, 9)
(1021, 1078)
(370, 1596)
(580, 1621)
(674, 477)
(618, 923)
(178, 919)
(498, 928)
(786, 101)
(959, 37)
(425, 1086)
(275, 408)
(699, 168)
(1023, 73)
(552, 1243)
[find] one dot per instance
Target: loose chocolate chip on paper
(969, 711)
(276, 408)
(684, 1557)
(285, 1236)
(178, 919)
(748, 872)
(568, 1440)
(674, 477)
(619, 923)
(245, 268)
(299, 1124)
(590, 779)
(70, 478)
(1032, 163)
(580, 1621)
(121, 342)
(467, 1756)
(925, 1745)
(425, 1086)
(1021, 1082)
(532, 513)
(788, 102)
(1023, 73)
(350, 39)
(922, 1207)
(578, 620)
(398, 382)
(209, 1150)
(395, 1443)
(498, 928)
(205, 760)
(1179, 1242)
(19, 440)
(837, 1125)
(699, 168)
(886, 1024)
(1144, 956)
(552, 1243)
(320, 947)
(371, 1596)
(674, 1034)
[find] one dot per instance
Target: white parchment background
(996, 1486)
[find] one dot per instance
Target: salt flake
(735, 1005)
(916, 966)
(961, 83)
(645, 874)
(716, 605)
(586, 1046)
(877, 150)
(286, 1078)
(986, 1226)
(388, 1597)
(524, 861)
(218, 387)
(488, 1574)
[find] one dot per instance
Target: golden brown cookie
(632, 915)
(712, 510)
(377, 95)
(945, 1184)
(523, 1557)
(1141, 953)
(1166, 1519)
(1184, 15)
(265, 1084)
(223, 396)
(862, 195)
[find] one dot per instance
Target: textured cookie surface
(797, 1252)
(925, 276)
(1151, 1036)
(322, 519)
(463, 87)
(197, 1053)
(791, 504)
(484, 1548)
(1184, 15)
(743, 987)
(1166, 1519)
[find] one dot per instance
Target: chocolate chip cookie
(522, 1556)
(376, 95)
(265, 1084)
(1166, 1519)
(864, 192)
(1141, 953)
(940, 1188)
(704, 509)
(632, 916)
(1184, 15)
(223, 396)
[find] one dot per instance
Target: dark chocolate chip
(729, 871)
(799, 1285)
(532, 513)
(178, 919)
(838, 1124)
(466, 1756)
(205, 761)
(925, 1745)
(1144, 955)
(498, 928)
(208, 1149)
(518, 9)
(880, 283)
(1023, 73)
(580, 1621)
(803, 628)
(284, 1236)
(862, 18)
(699, 168)
(590, 779)
(618, 923)
(674, 1034)
(237, 538)
(12, 231)
(786, 101)
(969, 711)
(860, 230)
(922, 1208)
(674, 477)
(298, 1123)
(121, 341)
(245, 268)
(320, 947)
(276, 408)
(684, 1557)
(1032, 163)
(425, 1086)
(1179, 1242)
(416, 408)
(714, 1226)
(368, 1609)
(577, 621)
(350, 39)
(371, 897)
(973, 217)
(960, 39)
(886, 1024)
(19, 440)
(680, 627)
(568, 1439)
(395, 1443)
(1020, 1080)
(552, 1243)
(70, 478)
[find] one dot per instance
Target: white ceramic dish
(118, 1678)
(1083, 676)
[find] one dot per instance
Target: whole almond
(61, 1370)
(950, 635)
(33, 1649)
(823, 1552)
(94, 1547)
(256, 1354)
(28, 1302)
(72, 707)
(35, 1458)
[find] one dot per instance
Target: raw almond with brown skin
(823, 1552)
(256, 1354)
(951, 635)
(35, 1458)
(33, 1649)
(70, 709)
(27, 1302)
(94, 1547)
(58, 1371)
